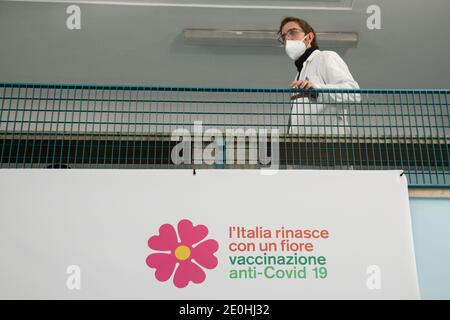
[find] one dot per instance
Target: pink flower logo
(187, 252)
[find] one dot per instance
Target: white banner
(219, 234)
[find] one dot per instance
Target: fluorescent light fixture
(264, 38)
(338, 39)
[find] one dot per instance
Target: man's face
(292, 31)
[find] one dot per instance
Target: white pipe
(187, 5)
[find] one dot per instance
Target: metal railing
(96, 126)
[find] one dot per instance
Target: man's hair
(305, 26)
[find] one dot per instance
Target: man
(324, 112)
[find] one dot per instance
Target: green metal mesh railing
(95, 126)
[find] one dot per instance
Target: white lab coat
(326, 114)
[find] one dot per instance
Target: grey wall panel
(124, 44)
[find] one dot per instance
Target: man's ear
(311, 38)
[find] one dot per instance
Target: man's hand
(303, 84)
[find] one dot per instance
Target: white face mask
(295, 48)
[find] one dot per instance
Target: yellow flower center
(182, 252)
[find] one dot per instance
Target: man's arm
(336, 75)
